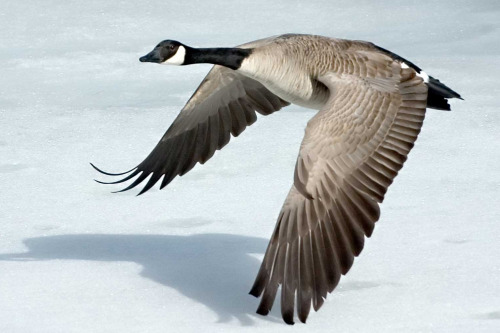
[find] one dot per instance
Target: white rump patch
(178, 58)
(424, 76)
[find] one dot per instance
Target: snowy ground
(75, 258)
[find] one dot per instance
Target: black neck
(228, 57)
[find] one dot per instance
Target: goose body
(371, 104)
(288, 71)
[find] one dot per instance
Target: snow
(76, 258)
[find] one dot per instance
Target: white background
(76, 258)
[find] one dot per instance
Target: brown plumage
(371, 103)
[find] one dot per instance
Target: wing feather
(351, 152)
(224, 104)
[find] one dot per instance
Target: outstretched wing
(352, 150)
(225, 103)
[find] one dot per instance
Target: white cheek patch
(178, 58)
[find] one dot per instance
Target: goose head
(168, 51)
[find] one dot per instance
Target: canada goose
(371, 106)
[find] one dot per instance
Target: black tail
(438, 94)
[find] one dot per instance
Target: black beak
(153, 56)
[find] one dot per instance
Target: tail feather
(438, 94)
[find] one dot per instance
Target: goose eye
(172, 47)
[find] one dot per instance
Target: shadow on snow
(216, 270)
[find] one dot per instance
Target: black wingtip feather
(151, 182)
(111, 174)
(288, 319)
(260, 282)
(132, 175)
(262, 311)
(254, 293)
(136, 182)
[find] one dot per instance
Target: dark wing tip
(254, 293)
(135, 171)
(132, 175)
(262, 311)
(153, 180)
(111, 174)
(288, 317)
(136, 182)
